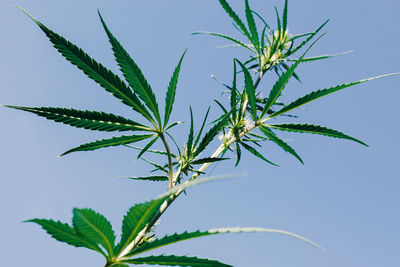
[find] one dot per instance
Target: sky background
(346, 197)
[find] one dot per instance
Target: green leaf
(233, 100)
(313, 129)
(238, 154)
(320, 93)
(136, 219)
(65, 233)
(147, 147)
(171, 260)
(201, 128)
(161, 152)
(285, 15)
(171, 239)
(292, 51)
(250, 90)
(228, 38)
(235, 17)
(209, 136)
(133, 74)
(191, 136)
(155, 178)
(115, 141)
(91, 120)
(94, 227)
(280, 142)
(170, 96)
(94, 70)
(207, 160)
(141, 214)
(120, 265)
(281, 83)
(256, 153)
(252, 25)
(309, 59)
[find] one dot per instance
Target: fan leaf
(94, 227)
(90, 120)
(65, 233)
(313, 129)
(253, 151)
(133, 74)
(94, 70)
(156, 178)
(115, 141)
(235, 17)
(228, 38)
(268, 133)
(172, 260)
(170, 96)
(171, 239)
(320, 93)
(252, 25)
(250, 90)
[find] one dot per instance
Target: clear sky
(346, 197)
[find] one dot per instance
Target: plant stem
(171, 172)
(173, 177)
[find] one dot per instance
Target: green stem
(174, 176)
(171, 172)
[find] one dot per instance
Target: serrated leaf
(147, 147)
(238, 154)
(115, 141)
(253, 151)
(133, 74)
(201, 128)
(235, 17)
(252, 25)
(250, 90)
(141, 214)
(172, 260)
(285, 16)
(207, 160)
(156, 178)
(233, 100)
(91, 120)
(227, 38)
(65, 233)
(94, 70)
(170, 96)
(94, 227)
(171, 239)
(313, 129)
(280, 142)
(136, 219)
(320, 93)
(191, 136)
(281, 83)
(209, 136)
(161, 152)
(294, 50)
(310, 59)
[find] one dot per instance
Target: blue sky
(345, 197)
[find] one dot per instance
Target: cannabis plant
(251, 117)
